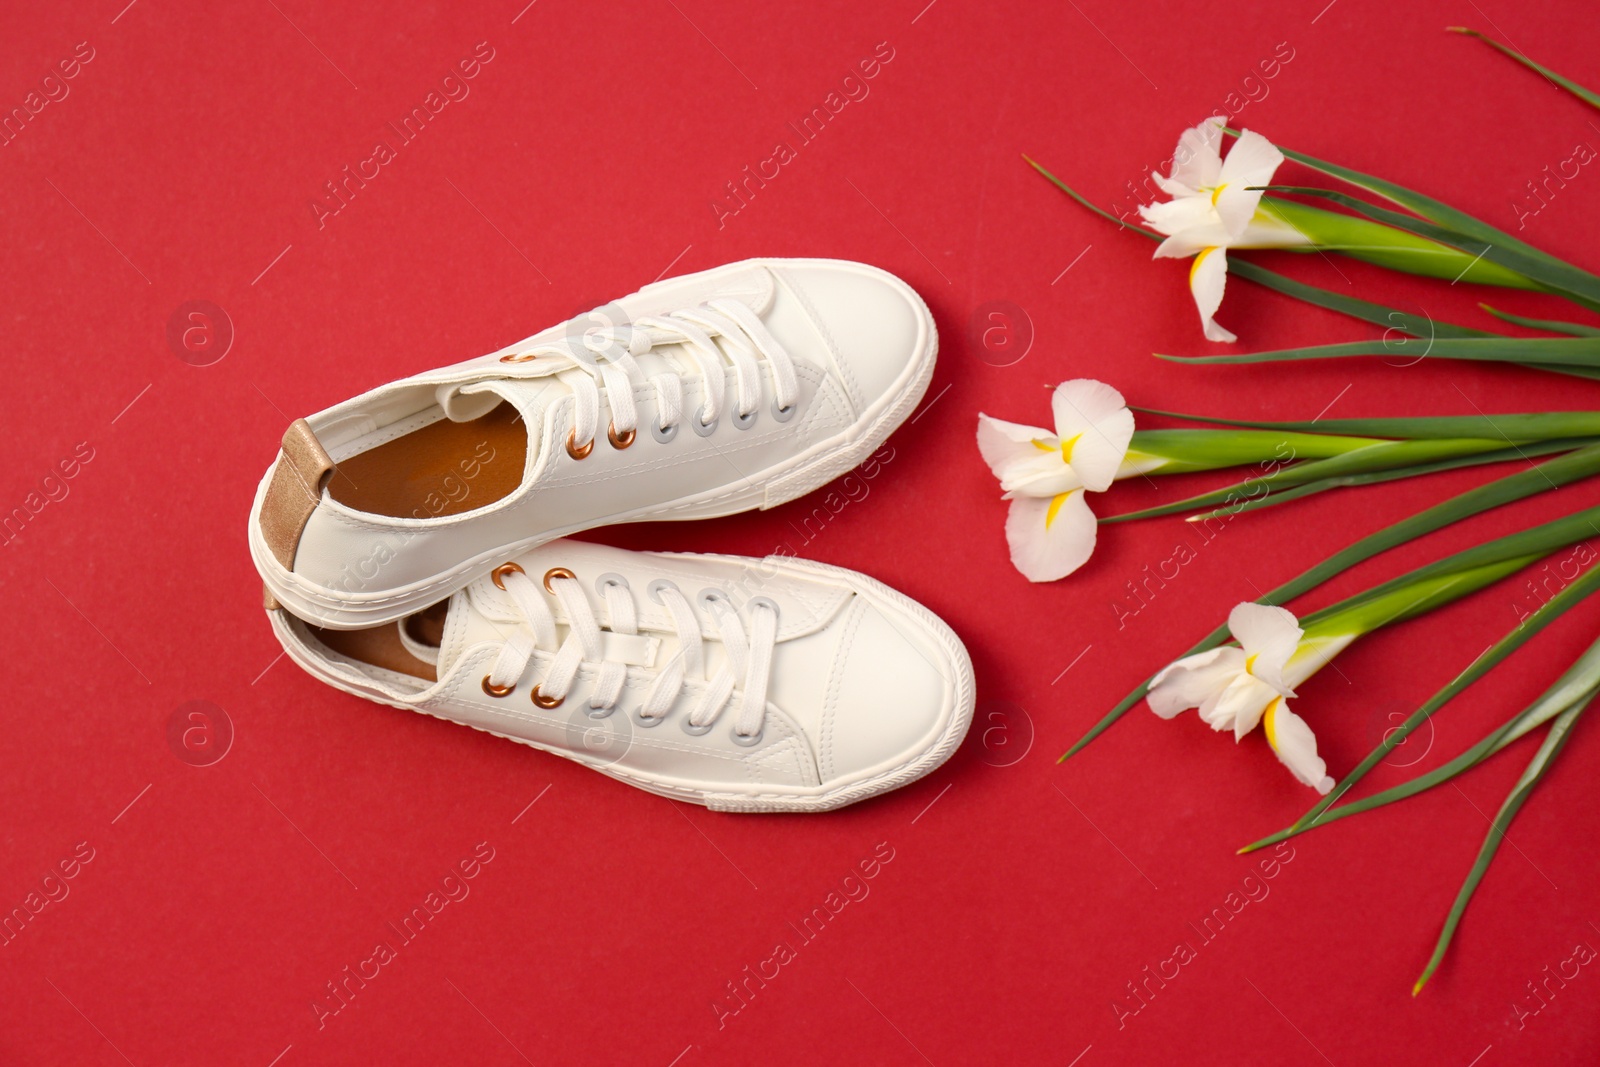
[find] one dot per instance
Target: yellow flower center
(1269, 722)
(1055, 506)
(1217, 192)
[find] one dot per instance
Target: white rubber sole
(949, 730)
(812, 469)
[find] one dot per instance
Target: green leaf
(1529, 426)
(1187, 450)
(1389, 318)
(1554, 741)
(1381, 455)
(1065, 188)
(1285, 496)
(1397, 242)
(1553, 325)
(1441, 213)
(1550, 351)
(1556, 275)
(1570, 86)
(1555, 473)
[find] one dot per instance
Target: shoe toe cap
(893, 694)
(877, 331)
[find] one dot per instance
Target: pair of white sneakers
(410, 544)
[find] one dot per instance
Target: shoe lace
(749, 652)
(609, 357)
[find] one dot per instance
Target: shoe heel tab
(303, 469)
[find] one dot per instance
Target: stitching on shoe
(852, 388)
(830, 702)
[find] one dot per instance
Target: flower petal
(1197, 161)
(1192, 241)
(1007, 444)
(1269, 636)
(1094, 425)
(1190, 681)
(1239, 707)
(1208, 276)
(1252, 161)
(1050, 537)
(1296, 746)
(1175, 216)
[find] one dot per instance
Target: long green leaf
(1286, 496)
(1554, 741)
(1524, 261)
(1383, 455)
(1563, 470)
(1398, 242)
(1573, 329)
(1550, 351)
(1555, 275)
(1528, 426)
(1441, 213)
(1422, 325)
(1588, 97)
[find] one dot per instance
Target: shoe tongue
(467, 626)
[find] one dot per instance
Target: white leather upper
(867, 690)
(861, 343)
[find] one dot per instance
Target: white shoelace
(749, 654)
(746, 341)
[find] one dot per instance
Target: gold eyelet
(496, 690)
(572, 446)
(553, 573)
(498, 574)
(621, 440)
(545, 702)
(519, 357)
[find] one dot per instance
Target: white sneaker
(736, 388)
(741, 684)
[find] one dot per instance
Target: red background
(1022, 895)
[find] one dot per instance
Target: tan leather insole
(381, 645)
(445, 468)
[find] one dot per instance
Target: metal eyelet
(647, 721)
(575, 450)
(744, 422)
(663, 435)
(599, 713)
(497, 576)
(544, 701)
(608, 579)
(554, 573)
(705, 597)
(519, 357)
(759, 601)
(747, 742)
(695, 731)
(783, 414)
(653, 590)
(700, 425)
(497, 690)
(621, 440)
